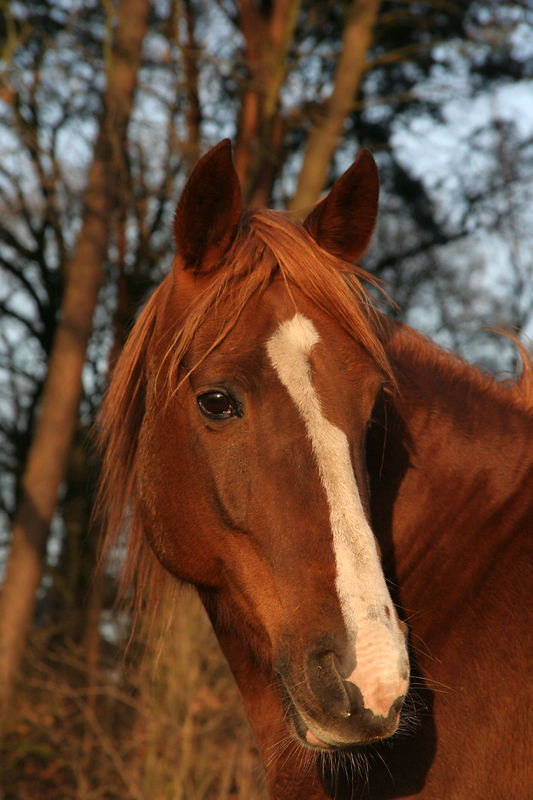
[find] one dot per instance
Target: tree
(324, 135)
(48, 453)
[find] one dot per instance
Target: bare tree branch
(325, 134)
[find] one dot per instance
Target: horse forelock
(269, 245)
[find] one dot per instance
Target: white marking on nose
(360, 584)
(378, 672)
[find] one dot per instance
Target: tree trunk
(267, 35)
(324, 136)
(56, 424)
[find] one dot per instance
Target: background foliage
(441, 92)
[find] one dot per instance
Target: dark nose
(371, 725)
(327, 685)
(341, 703)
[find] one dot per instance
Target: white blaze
(360, 584)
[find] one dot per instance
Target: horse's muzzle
(330, 710)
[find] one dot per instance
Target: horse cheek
(233, 493)
(172, 503)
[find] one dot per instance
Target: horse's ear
(209, 210)
(343, 222)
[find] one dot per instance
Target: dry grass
(169, 732)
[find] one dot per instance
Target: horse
(353, 504)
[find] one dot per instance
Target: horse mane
(117, 431)
(524, 384)
(422, 353)
(267, 245)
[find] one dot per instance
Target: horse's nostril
(355, 697)
(344, 663)
(326, 683)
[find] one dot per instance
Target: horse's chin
(305, 735)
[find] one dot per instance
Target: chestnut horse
(320, 472)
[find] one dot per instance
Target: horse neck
(452, 476)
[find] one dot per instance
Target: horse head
(259, 378)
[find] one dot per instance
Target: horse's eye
(217, 405)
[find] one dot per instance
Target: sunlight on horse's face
(268, 517)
